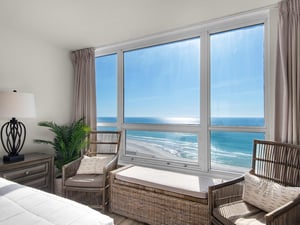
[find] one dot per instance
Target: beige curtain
(287, 105)
(84, 86)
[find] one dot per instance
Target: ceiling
(76, 24)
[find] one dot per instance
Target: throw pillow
(93, 165)
(267, 195)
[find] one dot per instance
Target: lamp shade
(18, 105)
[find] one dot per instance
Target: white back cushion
(267, 195)
(93, 165)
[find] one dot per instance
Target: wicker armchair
(91, 189)
(273, 161)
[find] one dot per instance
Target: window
(162, 86)
(179, 110)
(106, 91)
(237, 95)
(162, 83)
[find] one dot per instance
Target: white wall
(29, 64)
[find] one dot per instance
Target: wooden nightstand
(37, 170)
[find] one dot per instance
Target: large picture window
(237, 94)
(162, 86)
(178, 109)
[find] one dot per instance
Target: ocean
(232, 149)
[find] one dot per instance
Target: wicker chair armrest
(70, 169)
(226, 192)
(286, 214)
(111, 165)
(226, 183)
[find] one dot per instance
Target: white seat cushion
(239, 213)
(191, 185)
(86, 181)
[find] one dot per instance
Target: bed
(27, 206)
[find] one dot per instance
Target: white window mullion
(203, 140)
(120, 100)
(120, 86)
(269, 100)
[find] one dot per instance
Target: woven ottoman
(158, 197)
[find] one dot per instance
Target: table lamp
(13, 133)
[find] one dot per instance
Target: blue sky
(237, 73)
(106, 83)
(164, 80)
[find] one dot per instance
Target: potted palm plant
(68, 141)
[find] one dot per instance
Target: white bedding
(28, 206)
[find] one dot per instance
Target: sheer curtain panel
(84, 86)
(287, 105)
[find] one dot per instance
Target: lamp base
(12, 159)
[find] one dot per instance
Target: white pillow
(93, 165)
(267, 195)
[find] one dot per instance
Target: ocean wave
(189, 150)
(219, 151)
(177, 148)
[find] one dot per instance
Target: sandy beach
(152, 150)
(223, 167)
(146, 149)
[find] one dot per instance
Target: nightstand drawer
(24, 172)
(36, 170)
(38, 182)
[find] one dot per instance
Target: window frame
(203, 130)
(263, 129)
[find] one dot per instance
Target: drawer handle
(27, 172)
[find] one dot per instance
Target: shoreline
(142, 148)
(152, 150)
